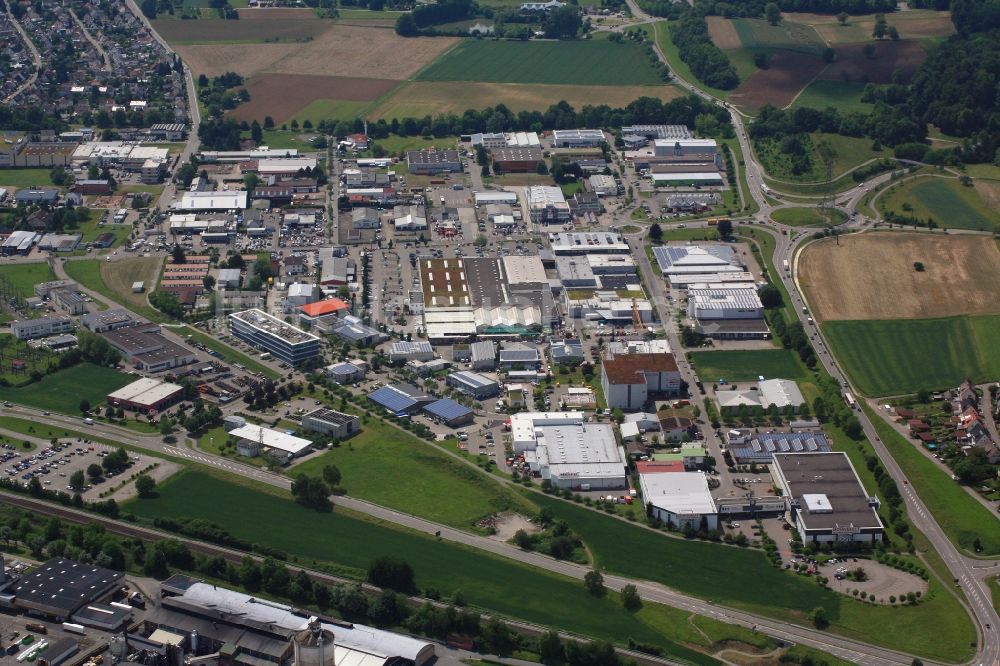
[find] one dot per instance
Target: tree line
(707, 61)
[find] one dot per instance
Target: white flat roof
(686, 176)
(145, 391)
(272, 438)
(681, 493)
(522, 424)
(213, 201)
(524, 269)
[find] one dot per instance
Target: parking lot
(54, 465)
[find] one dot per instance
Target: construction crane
(636, 317)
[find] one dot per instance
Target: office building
(285, 342)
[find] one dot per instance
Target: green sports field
(62, 391)
(841, 95)
(555, 62)
(393, 468)
(898, 356)
(350, 542)
(946, 201)
(961, 517)
(746, 365)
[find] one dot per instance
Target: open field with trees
(746, 365)
(551, 62)
(892, 357)
(946, 201)
(63, 390)
(842, 95)
(113, 280)
(346, 543)
(961, 517)
(396, 469)
(875, 276)
(802, 158)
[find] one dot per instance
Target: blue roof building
(400, 399)
(449, 412)
(746, 447)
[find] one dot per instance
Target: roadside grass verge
(961, 517)
(808, 217)
(346, 542)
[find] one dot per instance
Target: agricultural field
(63, 390)
(845, 153)
(959, 514)
(349, 542)
(419, 98)
(23, 277)
(912, 24)
(332, 109)
(845, 96)
(808, 217)
(871, 276)
(896, 356)
(270, 31)
(549, 62)
(946, 201)
(786, 36)
(746, 365)
(788, 72)
(904, 56)
(395, 469)
(14, 179)
(284, 96)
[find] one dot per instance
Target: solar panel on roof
(447, 409)
(392, 399)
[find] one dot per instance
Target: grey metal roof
(447, 409)
(473, 379)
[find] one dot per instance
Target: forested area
(706, 60)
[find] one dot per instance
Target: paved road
(35, 57)
(90, 38)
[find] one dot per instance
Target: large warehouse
(147, 395)
(746, 446)
(572, 453)
(255, 440)
(59, 588)
(680, 262)
(287, 343)
(330, 422)
(629, 380)
(680, 499)
(826, 499)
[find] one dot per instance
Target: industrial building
(494, 197)
(779, 392)
(547, 204)
(29, 329)
(410, 351)
(449, 412)
(60, 589)
(680, 499)
(516, 160)
(603, 185)
(629, 380)
(255, 440)
(430, 162)
(400, 399)
(724, 303)
(204, 619)
(746, 446)
(567, 352)
(19, 242)
(330, 422)
(287, 343)
(147, 395)
(107, 320)
(147, 349)
(346, 372)
(577, 138)
(687, 264)
(328, 306)
(519, 356)
(473, 384)
(213, 201)
(826, 499)
(568, 451)
(653, 132)
(350, 328)
(589, 242)
(483, 355)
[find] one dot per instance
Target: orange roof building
(324, 307)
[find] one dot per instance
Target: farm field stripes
(892, 357)
(283, 96)
(946, 201)
(787, 35)
(241, 32)
(350, 543)
(550, 62)
(419, 98)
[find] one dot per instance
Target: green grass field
(330, 109)
(24, 277)
(845, 153)
(395, 144)
(90, 273)
(808, 217)
(938, 627)
(746, 365)
(961, 517)
(366, 14)
(892, 357)
(841, 95)
(19, 178)
(995, 592)
(946, 201)
(788, 36)
(62, 391)
(350, 543)
(581, 62)
(231, 355)
(393, 468)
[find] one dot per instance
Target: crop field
(283, 96)
(696, 568)
(241, 32)
(786, 36)
(841, 95)
(550, 62)
(216, 59)
(275, 13)
(485, 581)
(62, 391)
(787, 74)
(891, 357)
(913, 24)
(946, 201)
(746, 365)
(332, 109)
(961, 517)
(904, 56)
(808, 217)
(419, 98)
(24, 277)
(871, 276)
(393, 468)
(723, 33)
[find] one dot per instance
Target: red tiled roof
(659, 466)
(320, 308)
(628, 368)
